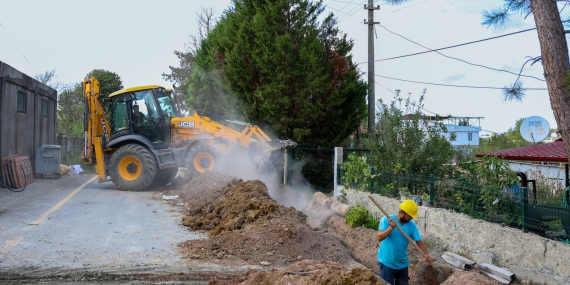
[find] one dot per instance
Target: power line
(352, 11)
(404, 7)
(340, 11)
(355, 10)
(414, 104)
(458, 86)
(464, 61)
(18, 48)
(347, 3)
(453, 46)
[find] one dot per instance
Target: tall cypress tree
(285, 69)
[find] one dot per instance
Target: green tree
(179, 75)
(70, 111)
(511, 139)
(108, 80)
(492, 174)
(554, 54)
(407, 142)
(514, 134)
(273, 62)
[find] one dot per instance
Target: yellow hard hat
(410, 207)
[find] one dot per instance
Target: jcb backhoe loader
(138, 138)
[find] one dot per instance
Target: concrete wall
(22, 133)
(529, 256)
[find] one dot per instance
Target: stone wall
(529, 256)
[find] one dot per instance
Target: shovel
(440, 276)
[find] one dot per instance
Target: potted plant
(425, 199)
(404, 193)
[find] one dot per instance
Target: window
(22, 102)
(470, 136)
(44, 108)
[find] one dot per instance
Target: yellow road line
(9, 245)
(58, 205)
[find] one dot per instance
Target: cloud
(453, 78)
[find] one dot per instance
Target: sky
(137, 40)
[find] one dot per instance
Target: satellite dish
(534, 129)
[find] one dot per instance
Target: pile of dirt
(231, 207)
(306, 273)
(246, 226)
(470, 278)
(360, 241)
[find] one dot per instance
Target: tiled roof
(548, 152)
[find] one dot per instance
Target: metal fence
(534, 210)
(530, 210)
(313, 167)
(70, 146)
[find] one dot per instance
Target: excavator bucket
(263, 149)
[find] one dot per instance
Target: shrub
(359, 216)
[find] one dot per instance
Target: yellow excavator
(138, 138)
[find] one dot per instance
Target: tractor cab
(143, 110)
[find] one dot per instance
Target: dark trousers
(394, 276)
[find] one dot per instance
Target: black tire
(164, 176)
(202, 158)
(132, 167)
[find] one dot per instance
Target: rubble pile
(246, 226)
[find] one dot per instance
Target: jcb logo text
(186, 124)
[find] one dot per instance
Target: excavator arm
(95, 123)
(207, 124)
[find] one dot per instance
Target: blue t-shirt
(393, 251)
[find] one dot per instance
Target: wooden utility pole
(371, 93)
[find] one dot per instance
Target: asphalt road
(74, 223)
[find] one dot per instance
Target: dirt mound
(231, 207)
(470, 278)
(360, 241)
(306, 272)
(247, 226)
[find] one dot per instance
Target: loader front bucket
(262, 150)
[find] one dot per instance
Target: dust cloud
(240, 164)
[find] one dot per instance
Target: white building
(461, 131)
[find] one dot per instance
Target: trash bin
(48, 160)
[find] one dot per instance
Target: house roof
(548, 152)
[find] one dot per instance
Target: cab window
(118, 118)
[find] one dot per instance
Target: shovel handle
(400, 229)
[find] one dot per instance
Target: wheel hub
(204, 162)
(132, 168)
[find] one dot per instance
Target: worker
(393, 253)
(138, 117)
(148, 130)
